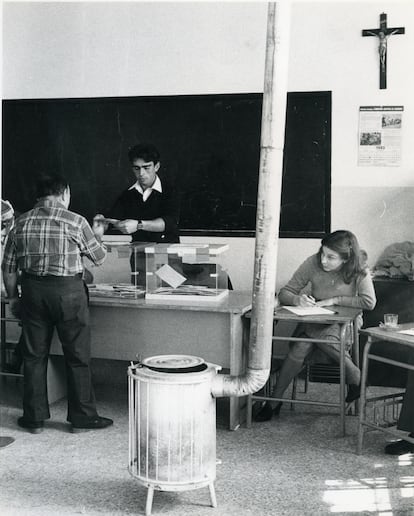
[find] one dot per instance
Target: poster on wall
(380, 136)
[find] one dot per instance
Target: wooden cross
(382, 33)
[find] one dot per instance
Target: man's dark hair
(51, 184)
(146, 151)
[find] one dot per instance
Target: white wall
(134, 48)
(91, 49)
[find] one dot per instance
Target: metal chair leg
(294, 389)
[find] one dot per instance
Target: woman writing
(336, 275)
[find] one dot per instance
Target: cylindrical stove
(172, 424)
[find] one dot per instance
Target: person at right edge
(406, 419)
(47, 244)
(336, 275)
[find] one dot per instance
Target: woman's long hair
(346, 245)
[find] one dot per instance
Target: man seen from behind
(47, 244)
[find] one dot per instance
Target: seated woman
(336, 275)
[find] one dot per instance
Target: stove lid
(175, 364)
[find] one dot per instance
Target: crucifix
(383, 33)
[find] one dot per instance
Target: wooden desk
(343, 316)
(127, 329)
(377, 334)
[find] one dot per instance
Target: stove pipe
(268, 209)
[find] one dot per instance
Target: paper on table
(410, 331)
(170, 276)
(308, 310)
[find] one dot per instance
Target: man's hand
(100, 225)
(127, 226)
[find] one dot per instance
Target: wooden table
(343, 316)
(133, 329)
(377, 334)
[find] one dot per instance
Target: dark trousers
(406, 419)
(56, 302)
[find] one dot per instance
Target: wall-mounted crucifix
(382, 33)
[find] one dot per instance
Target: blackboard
(209, 145)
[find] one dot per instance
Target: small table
(379, 334)
(344, 316)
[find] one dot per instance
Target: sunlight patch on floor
(405, 460)
(366, 494)
(407, 488)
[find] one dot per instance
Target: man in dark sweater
(149, 209)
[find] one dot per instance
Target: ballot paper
(308, 310)
(409, 331)
(170, 276)
(106, 220)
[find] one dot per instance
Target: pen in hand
(306, 300)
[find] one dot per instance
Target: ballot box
(186, 273)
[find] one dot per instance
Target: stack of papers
(123, 290)
(187, 290)
(308, 310)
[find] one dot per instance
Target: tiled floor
(296, 465)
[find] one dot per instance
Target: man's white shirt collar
(146, 193)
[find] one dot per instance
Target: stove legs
(212, 495)
(150, 497)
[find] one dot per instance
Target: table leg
(237, 360)
(355, 355)
(362, 407)
(342, 379)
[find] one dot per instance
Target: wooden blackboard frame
(87, 140)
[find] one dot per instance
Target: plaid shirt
(51, 240)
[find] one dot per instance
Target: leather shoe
(400, 447)
(95, 423)
(267, 412)
(34, 427)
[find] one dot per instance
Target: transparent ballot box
(186, 272)
(122, 275)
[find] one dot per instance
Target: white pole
(268, 207)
